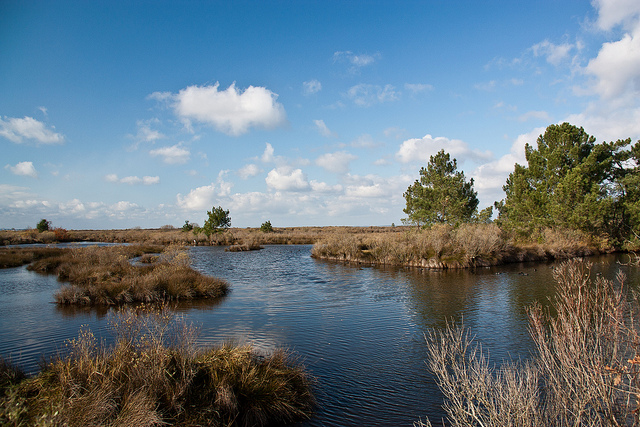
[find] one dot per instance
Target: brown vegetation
(166, 235)
(155, 375)
(586, 370)
(106, 276)
(445, 246)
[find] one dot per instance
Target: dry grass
(15, 257)
(167, 236)
(444, 246)
(106, 276)
(155, 375)
(585, 371)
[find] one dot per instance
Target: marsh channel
(358, 330)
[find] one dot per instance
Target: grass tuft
(155, 375)
(106, 276)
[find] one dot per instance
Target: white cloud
(175, 154)
(356, 62)
(230, 111)
(490, 177)
(617, 12)
(337, 162)
(323, 129)
(133, 180)
(323, 187)
(553, 53)
(366, 95)
(286, 179)
(616, 69)
(198, 199)
(23, 169)
(145, 133)
(16, 130)
(420, 150)
(267, 155)
(150, 180)
(248, 171)
(311, 87)
(418, 87)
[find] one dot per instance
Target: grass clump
(16, 257)
(585, 370)
(155, 375)
(106, 276)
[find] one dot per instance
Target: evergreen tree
(218, 220)
(441, 195)
(569, 181)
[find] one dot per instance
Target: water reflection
(359, 330)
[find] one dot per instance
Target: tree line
(569, 181)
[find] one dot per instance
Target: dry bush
(155, 375)
(585, 371)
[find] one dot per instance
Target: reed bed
(16, 257)
(107, 276)
(585, 372)
(445, 246)
(155, 375)
(170, 235)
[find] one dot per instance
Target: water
(358, 330)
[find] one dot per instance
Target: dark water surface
(358, 330)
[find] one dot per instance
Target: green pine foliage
(441, 195)
(572, 182)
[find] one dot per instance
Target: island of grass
(108, 275)
(155, 375)
(444, 246)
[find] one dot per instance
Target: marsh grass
(155, 375)
(16, 257)
(106, 276)
(445, 246)
(585, 371)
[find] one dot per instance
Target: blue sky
(125, 114)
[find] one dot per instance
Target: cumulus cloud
(366, 95)
(198, 199)
(285, 178)
(337, 162)
(248, 171)
(617, 12)
(311, 87)
(490, 177)
(323, 129)
(616, 69)
(267, 155)
(175, 154)
(17, 130)
(23, 169)
(230, 111)
(420, 149)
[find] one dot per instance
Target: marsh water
(358, 330)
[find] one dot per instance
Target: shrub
(43, 225)
(266, 227)
(586, 370)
